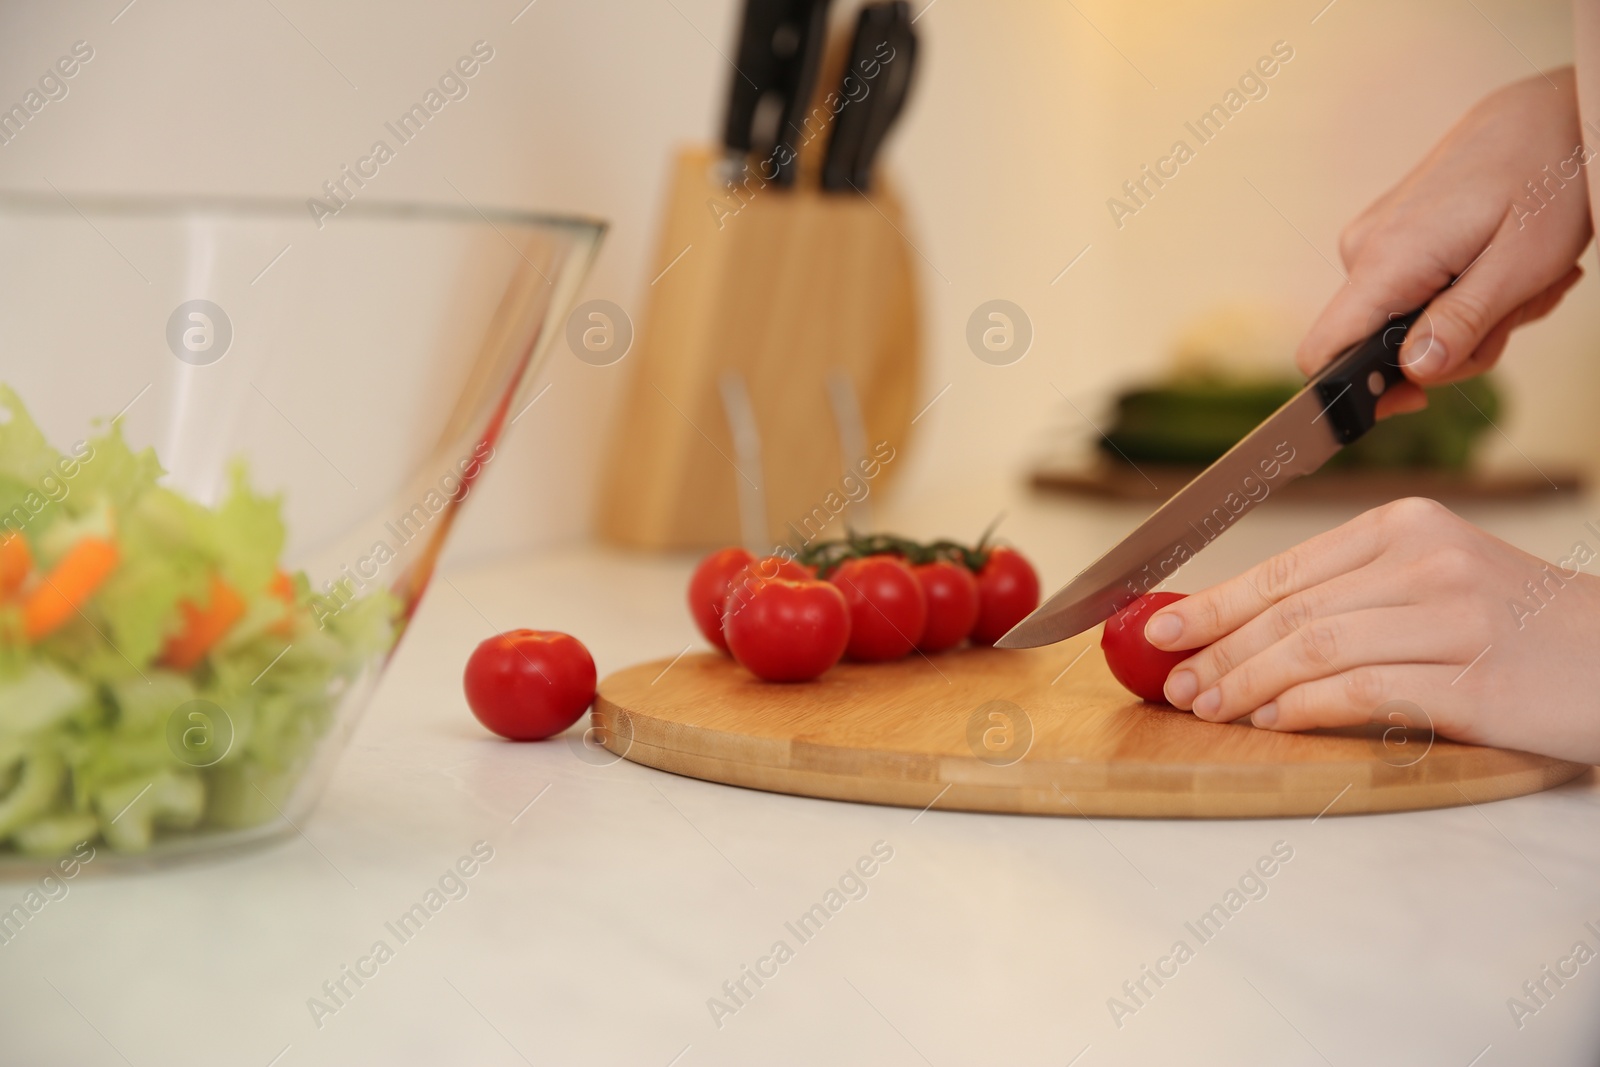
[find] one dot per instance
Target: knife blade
(1337, 406)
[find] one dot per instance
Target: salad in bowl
(281, 426)
(161, 673)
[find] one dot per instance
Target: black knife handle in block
(874, 89)
(844, 144)
(754, 71)
(891, 91)
(1351, 385)
(809, 23)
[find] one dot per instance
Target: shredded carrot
(15, 563)
(68, 586)
(282, 587)
(203, 627)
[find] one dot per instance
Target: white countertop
(620, 902)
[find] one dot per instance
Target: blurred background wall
(1027, 117)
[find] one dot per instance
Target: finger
(1326, 648)
(1204, 617)
(1493, 345)
(1356, 696)
(1486, 355)
(1380, 282)
(1308, 612)
(1402, 398)
(1548, 300)
(1405, 397)
(1458, 319)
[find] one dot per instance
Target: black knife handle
(799, 81)
(896, 85)
(1351, 385)
(844, 143)
(754, 71)
(862, 122)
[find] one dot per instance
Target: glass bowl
(234, 437)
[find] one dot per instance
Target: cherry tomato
(788, 631)
(708, 590)
(952, 594)
(527, 685)
(1008, 589)
(764, 569)
(888, 609)
(1136, 663)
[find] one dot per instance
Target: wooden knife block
(784, 287)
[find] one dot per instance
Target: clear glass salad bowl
(233, 439)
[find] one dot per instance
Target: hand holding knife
(1337, 406)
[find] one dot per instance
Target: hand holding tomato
(527, 685)
(1405, 602)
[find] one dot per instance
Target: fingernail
(1181, 687)
(1266, 715)
(1208, 703)
(1429, 356)
(1164, 629)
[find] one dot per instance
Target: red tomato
(1137, 664)
(1008, 589)
(708, 590)
(888, 609)
(788, 631)
(527, 685)
(765, 569)
(952, 594)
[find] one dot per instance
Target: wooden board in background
(921, 731)
(1114, 479)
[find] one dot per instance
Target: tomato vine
(826, 556)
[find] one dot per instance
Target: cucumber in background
(1193, 421)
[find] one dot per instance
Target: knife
(754, 74)
(1335, 407)
(779, 48)
(883, 40)
(809, 22)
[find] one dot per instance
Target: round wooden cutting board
(1046, 731)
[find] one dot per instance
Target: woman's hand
(1504, 194)
(1405, 602)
